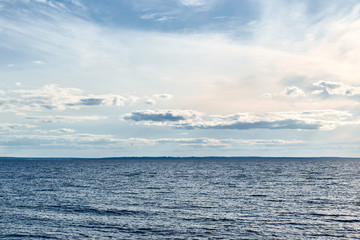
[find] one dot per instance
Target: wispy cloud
(38, 62)
(64, 118)
(15, 127)
(193, 3)
(55, 131)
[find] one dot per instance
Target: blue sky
(179, 78)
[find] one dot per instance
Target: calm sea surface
(180, 199)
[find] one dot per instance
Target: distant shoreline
(182, 158)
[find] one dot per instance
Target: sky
(112, 78)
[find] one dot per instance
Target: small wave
(132, 174)
(326, 215)
(252, 231)
(209, 219)
(97, 211)
(73, 185)
(110, 211)
(258, 195)
(347, 220)
(275, 200)
(27, 236)
(127, 229)
(240, 176)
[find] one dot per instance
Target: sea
(180, 198)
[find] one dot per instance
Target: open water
(180, 199)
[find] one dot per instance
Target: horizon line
(174, 157)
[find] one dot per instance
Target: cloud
(163, 96)
(224, 143)
(335, 88)
(293, 92)
(54, 97)
(15, 127)
(56, 141)
(193, 3)
(209, 58)
(77, 3)
(281, 124)
(150, 101)
(159, 17)
(108, 141)
(37, 62)
(161, 115)
(90, 101)
(188, 119)
(61, 119)
(55, 131)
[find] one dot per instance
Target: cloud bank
(53, 97)
(61, 138)
(305, 120)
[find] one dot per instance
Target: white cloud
(61, 119)
(53, 97)
(148, 16)
(224, 143)
(335, 88)
(159, 17)
(293, 92)
(77, 3)
(108, 141)
(193, 3)
(150, 101)
(15, 127)
(40, 1)
(56, 131)
(38, 62)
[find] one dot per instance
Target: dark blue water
(180, 199)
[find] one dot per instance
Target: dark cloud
(189, 119)
(91, 101)
(282, 124)
(154, 116)
(87, 102)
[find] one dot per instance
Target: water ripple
(180, 199)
